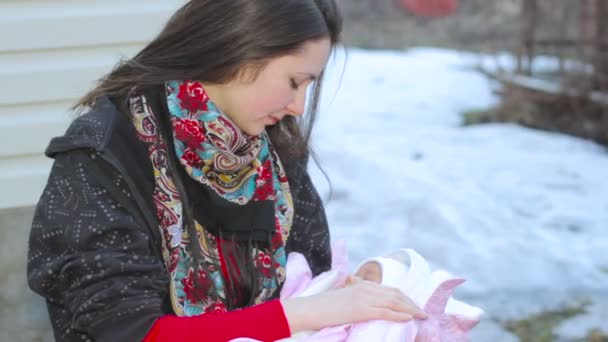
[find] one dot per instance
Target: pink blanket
(449, 319)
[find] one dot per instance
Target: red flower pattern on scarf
(189, 131)
(196, 293)
(264, 262)
(173, 259)
(264, 189)
(193, 97)
(192, 158)
(277, 238)
(216, 308)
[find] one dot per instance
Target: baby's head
(370, 271)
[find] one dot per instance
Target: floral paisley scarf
(246, 195)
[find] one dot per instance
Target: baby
(448, 319)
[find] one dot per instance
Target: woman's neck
(217, 95)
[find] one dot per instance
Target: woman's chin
(258, 127)
(254, 130)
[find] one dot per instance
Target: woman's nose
(296, 107)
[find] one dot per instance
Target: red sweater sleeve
(264, 322)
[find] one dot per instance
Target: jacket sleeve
(310, 232)
(91, 259)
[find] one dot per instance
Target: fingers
(397, 301)
(417, 311)
(372, 301)
(390, 315)
(401, 305)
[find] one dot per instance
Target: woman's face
(278, 90)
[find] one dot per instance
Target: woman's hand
(361, 301)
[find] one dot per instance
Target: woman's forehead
(310, 59)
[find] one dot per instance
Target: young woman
(174, 199)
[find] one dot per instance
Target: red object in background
(430, 8)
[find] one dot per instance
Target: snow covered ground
(521, 214)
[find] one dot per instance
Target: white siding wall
(51, 53)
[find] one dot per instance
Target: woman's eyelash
(293, 83)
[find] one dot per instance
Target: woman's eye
(293, 83)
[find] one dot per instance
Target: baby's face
(370, 271)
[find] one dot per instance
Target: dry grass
(539, 328)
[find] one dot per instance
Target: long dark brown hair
(212, 41)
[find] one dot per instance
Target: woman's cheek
(273, 102)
